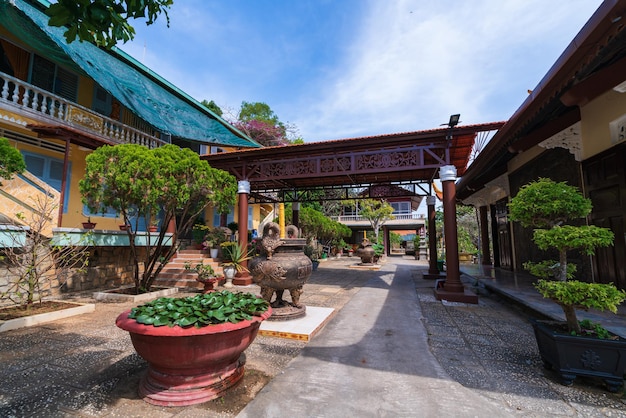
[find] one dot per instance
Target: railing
(33, 99)
(359, 218)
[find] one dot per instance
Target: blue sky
(351, 68)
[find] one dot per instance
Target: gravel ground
(85, 366)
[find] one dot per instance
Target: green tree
(139, 182)
(376, 211)
(467, 229)
(314, 224)
(213, 107)
(11, 161)
(547, 205)
(104, 22)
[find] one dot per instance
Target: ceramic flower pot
(188, 366)
(571, 356)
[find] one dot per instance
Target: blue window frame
(50, 171)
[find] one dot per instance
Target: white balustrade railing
(45, 104)
(359, 218)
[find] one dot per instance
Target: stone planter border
(110, 296)
(32, 320)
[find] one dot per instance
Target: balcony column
(452, 289)
(243, 191)
(433, 271)
(484, 237)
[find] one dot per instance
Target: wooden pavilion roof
(401, 158)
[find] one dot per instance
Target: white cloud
(415, 63)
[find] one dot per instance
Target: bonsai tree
(172, 181)
(547, 205)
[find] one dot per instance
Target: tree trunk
(570, 316)
(563, 265)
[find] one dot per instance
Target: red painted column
(433, 271)
(243, 191)
(453, 289)
(484, 236)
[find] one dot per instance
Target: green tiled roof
(139, 89)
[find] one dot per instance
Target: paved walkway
(391, 350)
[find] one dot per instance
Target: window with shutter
(49, 170)
(50, 77)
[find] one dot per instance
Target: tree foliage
(213, 107)
(314, 224)
(104, 22)
(11, 161)
(547, 205)
(141, 183)
(467, 229)
(259, 122)
(376, 211)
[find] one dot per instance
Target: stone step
(175, 275)
(181, 283)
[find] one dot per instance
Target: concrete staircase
(175, 275)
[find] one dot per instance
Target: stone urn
(366, 252)
(282, 265)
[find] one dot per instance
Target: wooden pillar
(484, 236)
(452, 289)
(433, 270)
(243, 191)
(295, 214)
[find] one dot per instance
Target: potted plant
(234, 256)
(193, 344)
(571, 349)
(379, 250)
(213, 238)
(206, 275)
(89, 224)
(198, 233)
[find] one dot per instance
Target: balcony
(400, 219)
(33, 102)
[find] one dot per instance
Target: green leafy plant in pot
(193, 344)
(235, 256)
(206, 275)
(547, 206)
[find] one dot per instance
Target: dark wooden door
(605, 185)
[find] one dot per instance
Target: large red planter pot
(187, 366)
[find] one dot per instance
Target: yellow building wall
(595, 119)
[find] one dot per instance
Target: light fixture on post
(454, 120)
